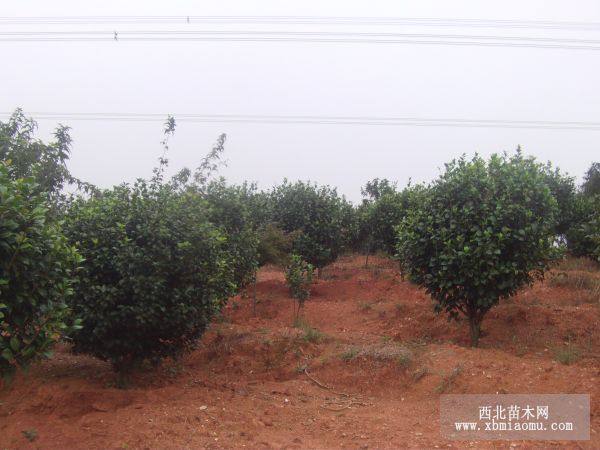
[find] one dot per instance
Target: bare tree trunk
(254, 298)
(475, 329)
(368, 253)
(296, 311)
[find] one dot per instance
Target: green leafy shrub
(230, 211)
(36, 273)
(275, 246)
(595, 236)
(583, 237)
(321, 218)
(155, 272)
(562, 188)
(29, 157)
(299, 276)
(479, 233)
(591, 180)
(382, 213)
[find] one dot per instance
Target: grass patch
(520, 347)
(576, 280)
(582, 264)
(448, 379)
(279, 348)
(567, 354)
(401, 308)
(365, 306)
(580, 281)
(349, 354)
(301, 368)
(388, 351)
(309, 334)
(376, 272)
(313, 335)
(405, 360)
(30, 435)
(384, 352)
(420, 373)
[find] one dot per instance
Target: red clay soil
(367, 372)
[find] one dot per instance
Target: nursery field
(363, 368)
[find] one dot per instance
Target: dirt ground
(364, 370)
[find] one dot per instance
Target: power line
(321, 120)
(516, 42)
(125, 33)
(303, 20)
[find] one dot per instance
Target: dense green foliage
(583, 235)
(562, 188)
(299, 276)
(591, 180)
(382, 213)
(156, 268)
(323, 221)
(378, 187)
(275, 246)
(36, 270)
(155, 272)
(593, 232)
(30, 157)
(137, 272)
(479, 233)
(231, 210)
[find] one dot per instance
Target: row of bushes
(138, 271)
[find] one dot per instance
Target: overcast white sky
(309, 79)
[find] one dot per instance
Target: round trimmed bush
(323, 221)
(479, 233)
(155, 272)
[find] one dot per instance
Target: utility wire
(321, 120)
(302, 20)
(237, 33)
(323, 38)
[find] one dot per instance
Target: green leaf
(7, 354)
(15, 344)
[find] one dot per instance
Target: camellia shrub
(230, 210)
(480, 232)
(380, 216)
(29, 157)
(155, 272)
(562, 188)
(36, 274)
(591, 180)
(583, 237)
(275, 246)
(299, 276)
(594, 235)
(321, 218)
